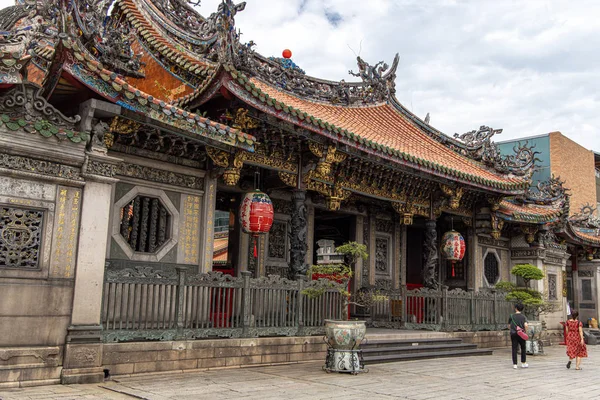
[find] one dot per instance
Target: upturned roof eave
(242, 88)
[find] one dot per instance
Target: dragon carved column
(430, 255)
(298, 235)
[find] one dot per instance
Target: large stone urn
(343, 340)
(535, 330)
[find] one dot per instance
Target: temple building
(559, 156)
(130, 131)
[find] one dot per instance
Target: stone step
(400, 350)
(368, 360)
(409, 342)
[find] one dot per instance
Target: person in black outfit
(518, 319)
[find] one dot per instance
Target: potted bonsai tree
(343, 336)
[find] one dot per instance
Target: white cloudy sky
(529, 67)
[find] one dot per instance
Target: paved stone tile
(481, 378)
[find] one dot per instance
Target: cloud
(527, 67)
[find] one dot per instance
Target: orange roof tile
(528, 212)
(385, 129)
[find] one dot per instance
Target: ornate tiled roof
(528, 213)
(378, 128)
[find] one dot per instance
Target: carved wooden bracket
(497, 225)
(529, 232)
(334, 194)
(288, 178)
(408, 210)
(454, 194)
(232, 162)
(327, 157)
(494, 203)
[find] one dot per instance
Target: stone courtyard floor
(486, 377)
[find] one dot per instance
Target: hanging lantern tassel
(255, 251)
(453, 273)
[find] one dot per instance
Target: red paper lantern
(453, 247)
(256, 215)
(287, 53)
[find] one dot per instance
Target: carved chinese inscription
(191, 229)
(20, 237)
(68, 205)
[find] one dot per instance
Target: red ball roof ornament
(287, 53)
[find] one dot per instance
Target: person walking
(518, 320)
(576, 348)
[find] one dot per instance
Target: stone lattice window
(145, 224)
(491, 268)
(20, 237)
(552, 287)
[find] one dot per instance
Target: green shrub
(528, 272)
(504, 286)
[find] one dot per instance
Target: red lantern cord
(453, 273)
(255, 251)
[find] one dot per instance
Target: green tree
(527, 272)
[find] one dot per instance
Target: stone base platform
(42, 366)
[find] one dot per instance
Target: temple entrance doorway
(332, 226)
(226, 233)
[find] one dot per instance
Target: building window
(20, 237)
(491, 268)
(586, 290)
(552, 287)
(145, 223)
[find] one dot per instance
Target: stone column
(208, 234)
(83, 350)
(396, 255)
(430, 254)
(310, 235)
(473, 262)
(298, 235)
(359, 265)
(403, 253)
(372, 249)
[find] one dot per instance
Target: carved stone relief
(26, 164)
(552, 287)
(20, 237)
(382, 255)
(277, 241)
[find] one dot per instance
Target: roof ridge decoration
(477, 144)
(585, 218)
(182, 14)
(110, 41)
(24, 108)
(377, 84)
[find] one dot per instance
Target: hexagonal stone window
(145, 224)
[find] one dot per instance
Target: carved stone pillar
(397, 258)
(430, 256)
(298, 235)
(473, 243)
(83, 350)
(207, 234)
(359, 265)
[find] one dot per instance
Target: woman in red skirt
(576, 348)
